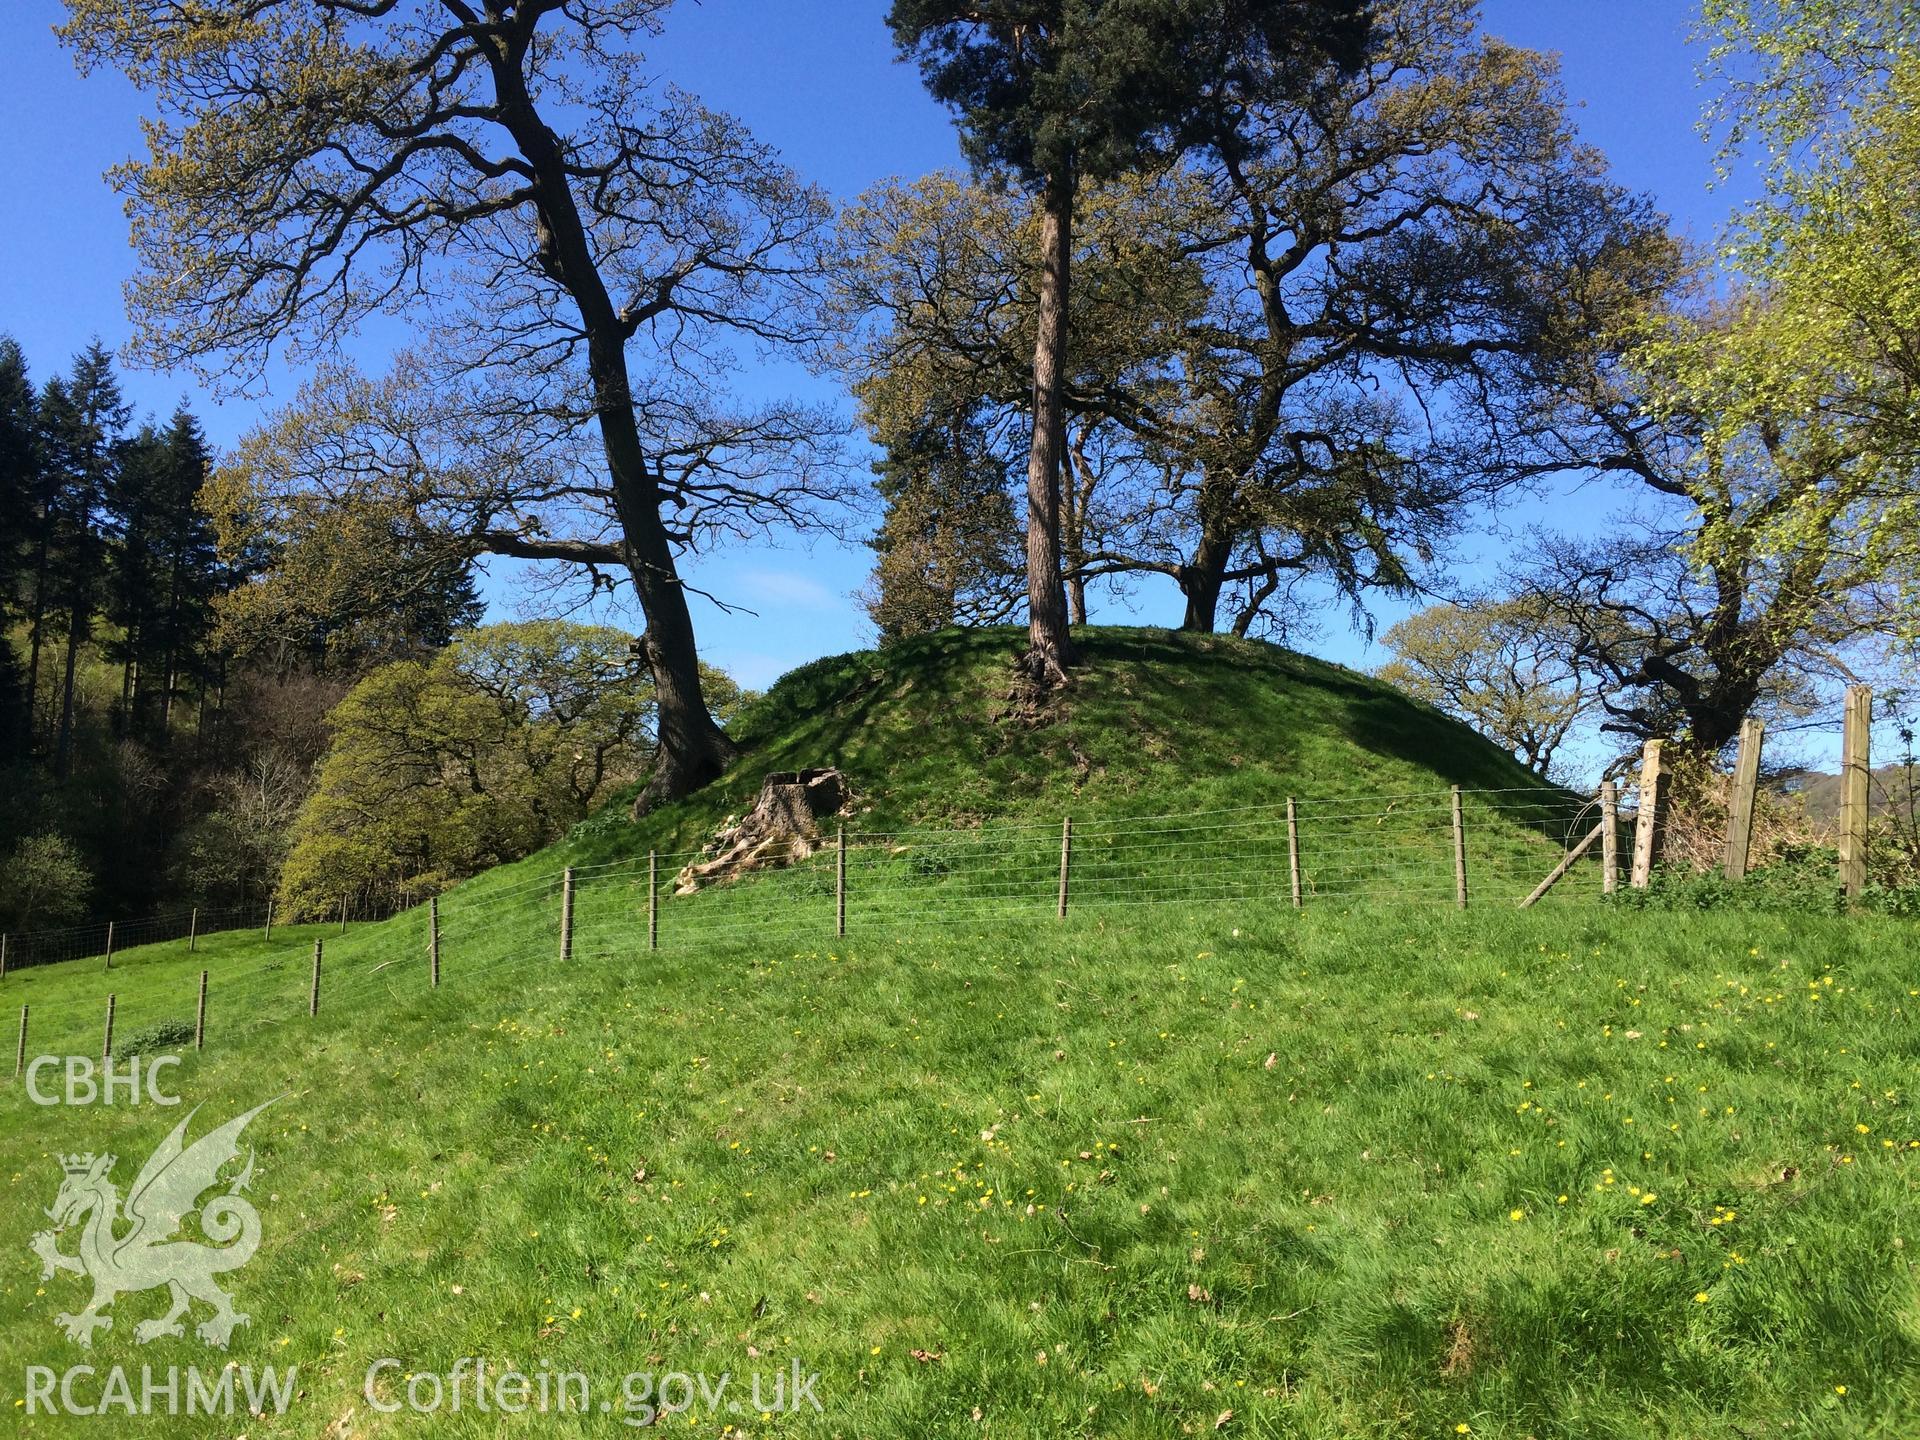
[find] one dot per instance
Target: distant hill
(1890, 788)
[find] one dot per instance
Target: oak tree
(581, 244)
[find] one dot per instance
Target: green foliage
(485, 752)
(44, 883)
(1099, 88)
(1831, 92)
(165, 1035)
(1505, 667)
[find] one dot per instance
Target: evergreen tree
(82, 426)
(19, 526)
(1061, 91)
(187, 564)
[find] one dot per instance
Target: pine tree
(82, 427)
(19, 528)
(1061, 91)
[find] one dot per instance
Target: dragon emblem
(153, 1252)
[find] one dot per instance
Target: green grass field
(1382, 1172)
(1190, 1161)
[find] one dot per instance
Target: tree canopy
(583, 245)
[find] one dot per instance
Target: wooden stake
(3, 955)
(106, 1040)
(1459, 852)
(1855, 766)
(433, 941)
(20, 1055)
(200, 1016)
(653, 900)
(1293, 851)
(343, 914)
(313, 995)
(1566, 864)
(269, 934)
(840, 885)
(193, 931)
(1746, 779)
(109, 964)
(1646, 828)
(566, 914)
(1066, 861)
(1609, 838)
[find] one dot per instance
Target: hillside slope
(1157, 723)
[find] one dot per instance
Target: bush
(167, 1035)
(44, 883)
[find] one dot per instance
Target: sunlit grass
(1121, 1175)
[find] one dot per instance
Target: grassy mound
(1157, 722)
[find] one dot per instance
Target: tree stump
(784, 826)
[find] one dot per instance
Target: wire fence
(103, 939)
(1460, 848)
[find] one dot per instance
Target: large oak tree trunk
(692, 749)
(1204, 576)
(1050, 645)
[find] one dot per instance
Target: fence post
(653, 900)
(433, 940)
(1646, 827)
(313, 995)
(1746, 779)
(1855, 763)
(3, 955)
(1459, 852)
(109, 964)
(106, 1040)
(193, 931)
(343, 914)
(269, 934)
(840, 884)
(1066, 861)
(1293, 851)
(200, 1016)
(1609, 838)
(20, 1055)
(566, 914)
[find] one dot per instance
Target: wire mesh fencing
(1458, 848)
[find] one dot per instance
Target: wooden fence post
(193, 931)
(269, 934)
(433, 941)
(343, 914)
(1566, 863)
(1646, 827)
(566, 914)
(200, 1016)
(1609, 837)
(653, 900)
(1066, 861)
(1855, 767)
(109, 964)
(3, 955)
(20, 1055)
(1293, 851)
(1746, 779)
(313, 995)
(106, 1040)
(1459, 852)
(840, 884)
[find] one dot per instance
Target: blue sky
(816, 78)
